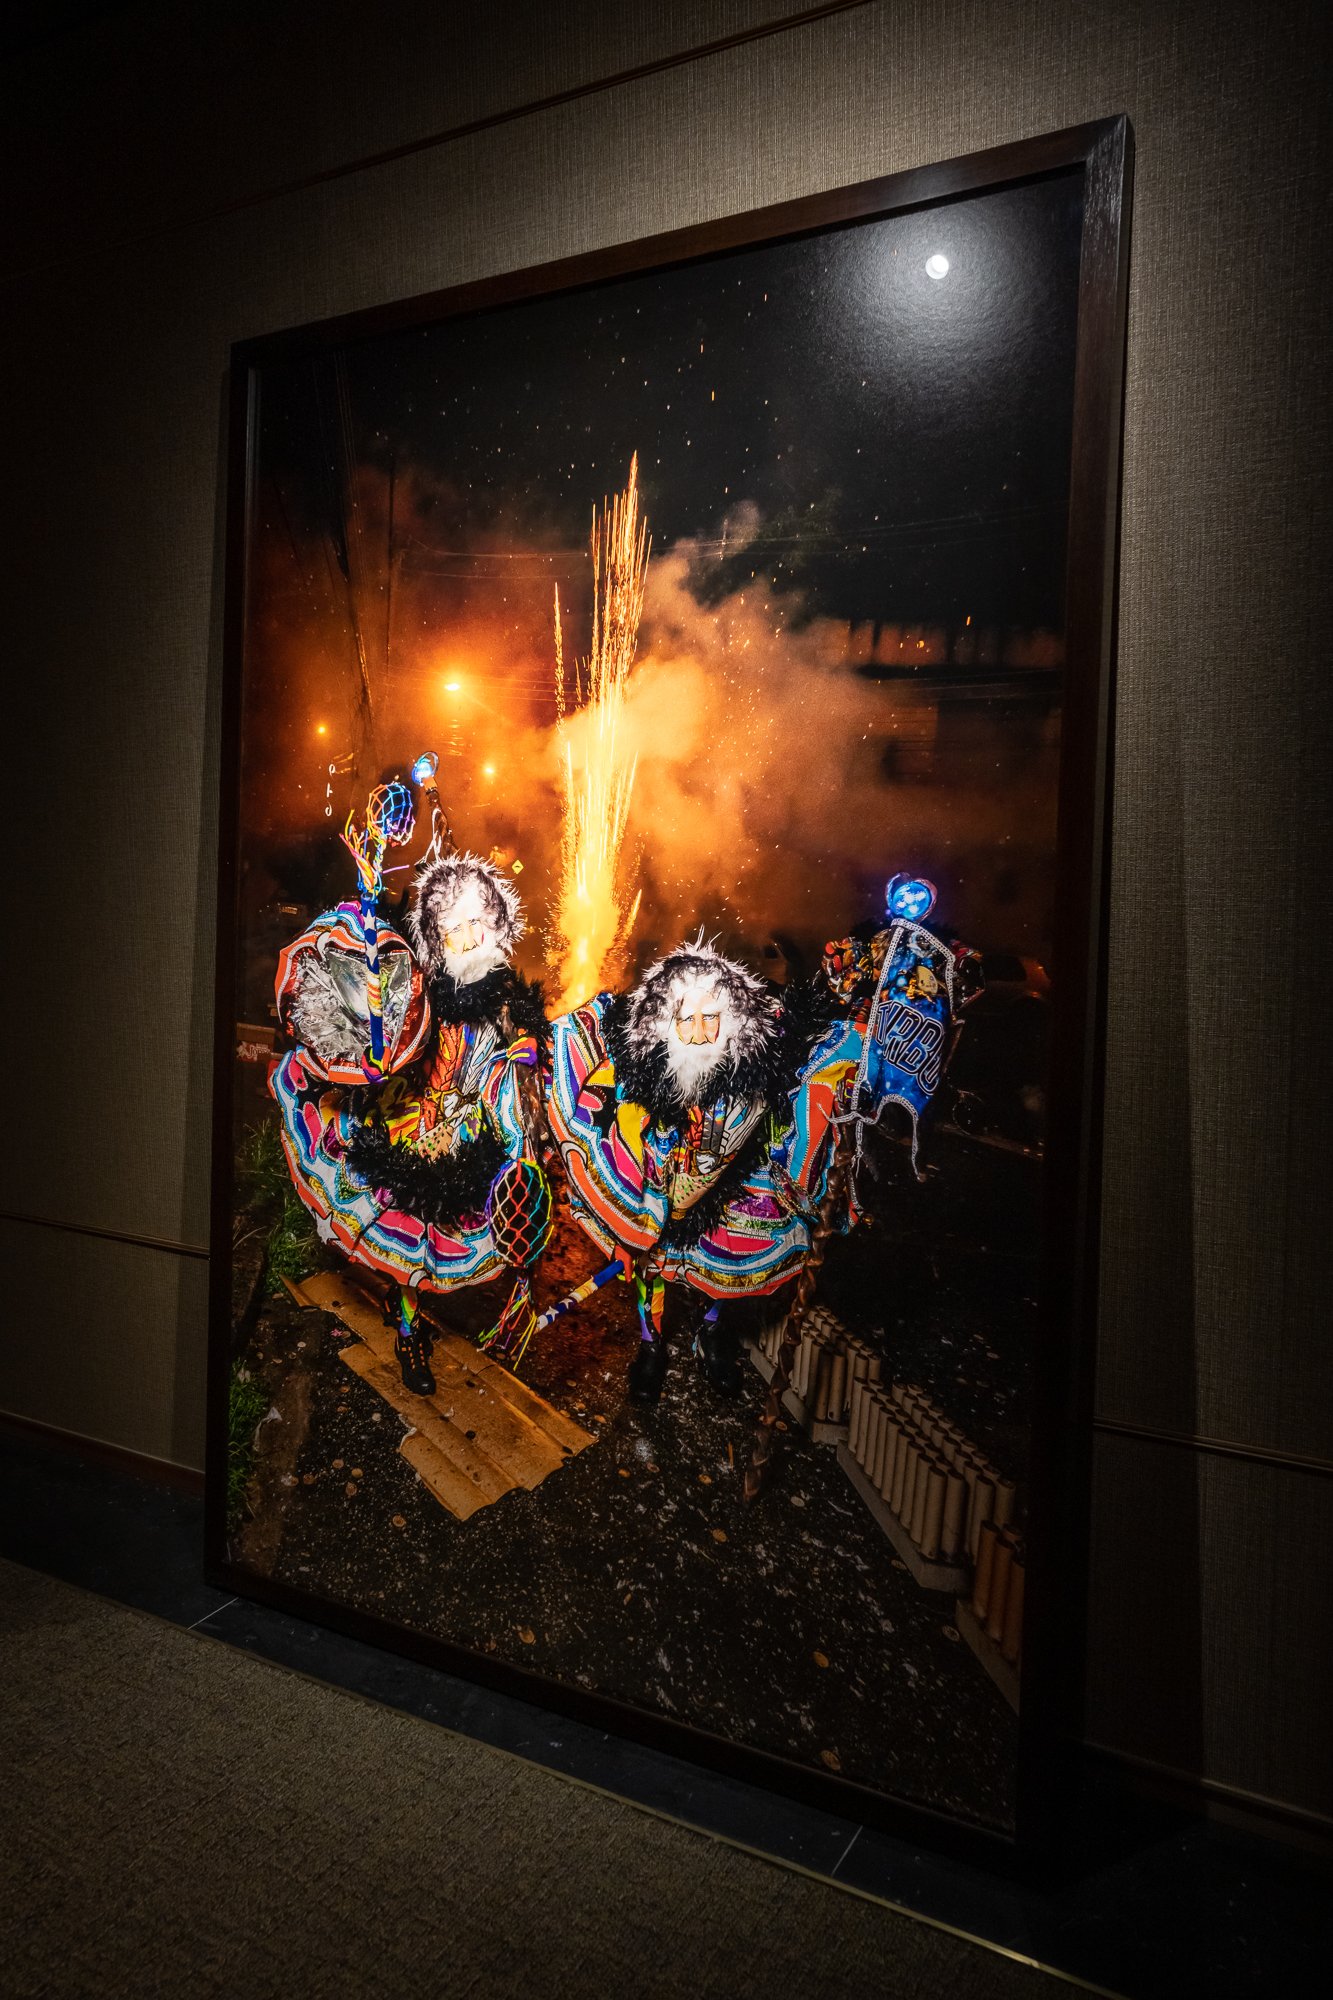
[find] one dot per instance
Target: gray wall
(186, 176)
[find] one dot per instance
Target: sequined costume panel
(601, 1138)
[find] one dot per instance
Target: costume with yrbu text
(897, 991)
(899, 995)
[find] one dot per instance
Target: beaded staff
(389, 823)
(441, 833)
(520, 1319)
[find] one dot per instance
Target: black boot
(715, 1345)
(413, 1351)
(647, 1372)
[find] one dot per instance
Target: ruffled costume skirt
(316, 1130)
(321, 1098)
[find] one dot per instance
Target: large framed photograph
(661, 891)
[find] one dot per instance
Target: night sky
(819, 418)
(923, 424)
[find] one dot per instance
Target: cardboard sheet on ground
(480, 1435)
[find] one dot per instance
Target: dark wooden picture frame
(1099, 156)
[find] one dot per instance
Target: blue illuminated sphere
(425, 767)
(909, 898)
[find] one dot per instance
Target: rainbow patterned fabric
(334, 944)
(803, 1154)
(630, 1179)
(472, 1080)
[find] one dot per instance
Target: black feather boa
(436, 1191)
(440, 1191)
(808, 1010)
(643, 1076)
(483, 999)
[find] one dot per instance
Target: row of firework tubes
(827, 1364)
(926, 1471)
(954, 1506)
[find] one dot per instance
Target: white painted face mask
(697, 1031)
(468, 945)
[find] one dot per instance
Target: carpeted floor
(177, 1818)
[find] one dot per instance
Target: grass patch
(261, 1169)
(247, 1405)
(293, 1245)
(268, 1204)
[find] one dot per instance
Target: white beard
(465, 968)
(692, 1063)
(698, 988)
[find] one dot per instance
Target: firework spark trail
(597, 776)
(559, 662)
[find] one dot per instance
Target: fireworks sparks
(593, 918)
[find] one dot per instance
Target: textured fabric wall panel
(1214, 1255)
(163, 110)
(1207, 1645)
(105, 1340)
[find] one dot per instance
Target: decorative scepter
(389, 822)
(441, 833)
(520, 1319)
(757, 1471)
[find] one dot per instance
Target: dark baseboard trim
(95, 1451)
(1253, 1812)
(166, 1243)
(1256, 1454)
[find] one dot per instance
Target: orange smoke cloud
(776, 787)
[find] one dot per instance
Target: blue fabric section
(909, 1028)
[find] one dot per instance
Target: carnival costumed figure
(899, 994)
(420, 1163)
(665, 1102)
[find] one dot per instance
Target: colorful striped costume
(447, 1102)
(470, 1082)
(636, 1178)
